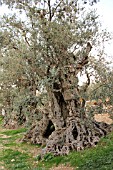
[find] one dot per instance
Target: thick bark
(66, 128)
(76, 133)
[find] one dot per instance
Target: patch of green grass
(14, 131)
(1, 120)
(28, 145)
(15, 160)
(15, 155)
(10, 144)
(10, 139)
(98, 158)
(2, 139)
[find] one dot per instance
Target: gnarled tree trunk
(73, 130)
(66, 126)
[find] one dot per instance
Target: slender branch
(84, 61)
(56, 9)
(101, 85)
(50, 12)
(24, 34)
(88, 81)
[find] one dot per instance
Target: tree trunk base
(76, 135)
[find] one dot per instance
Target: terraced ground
(15, 155)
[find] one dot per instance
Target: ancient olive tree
(59, 36)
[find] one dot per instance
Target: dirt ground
(104, 117)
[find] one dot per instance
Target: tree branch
(84, 61)
(88, 81)
(56, 8)
(50, 12)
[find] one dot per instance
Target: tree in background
(18, 88)
(54, 44)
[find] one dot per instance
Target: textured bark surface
(78, 134)
(63, 131)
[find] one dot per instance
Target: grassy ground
(15, 155)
